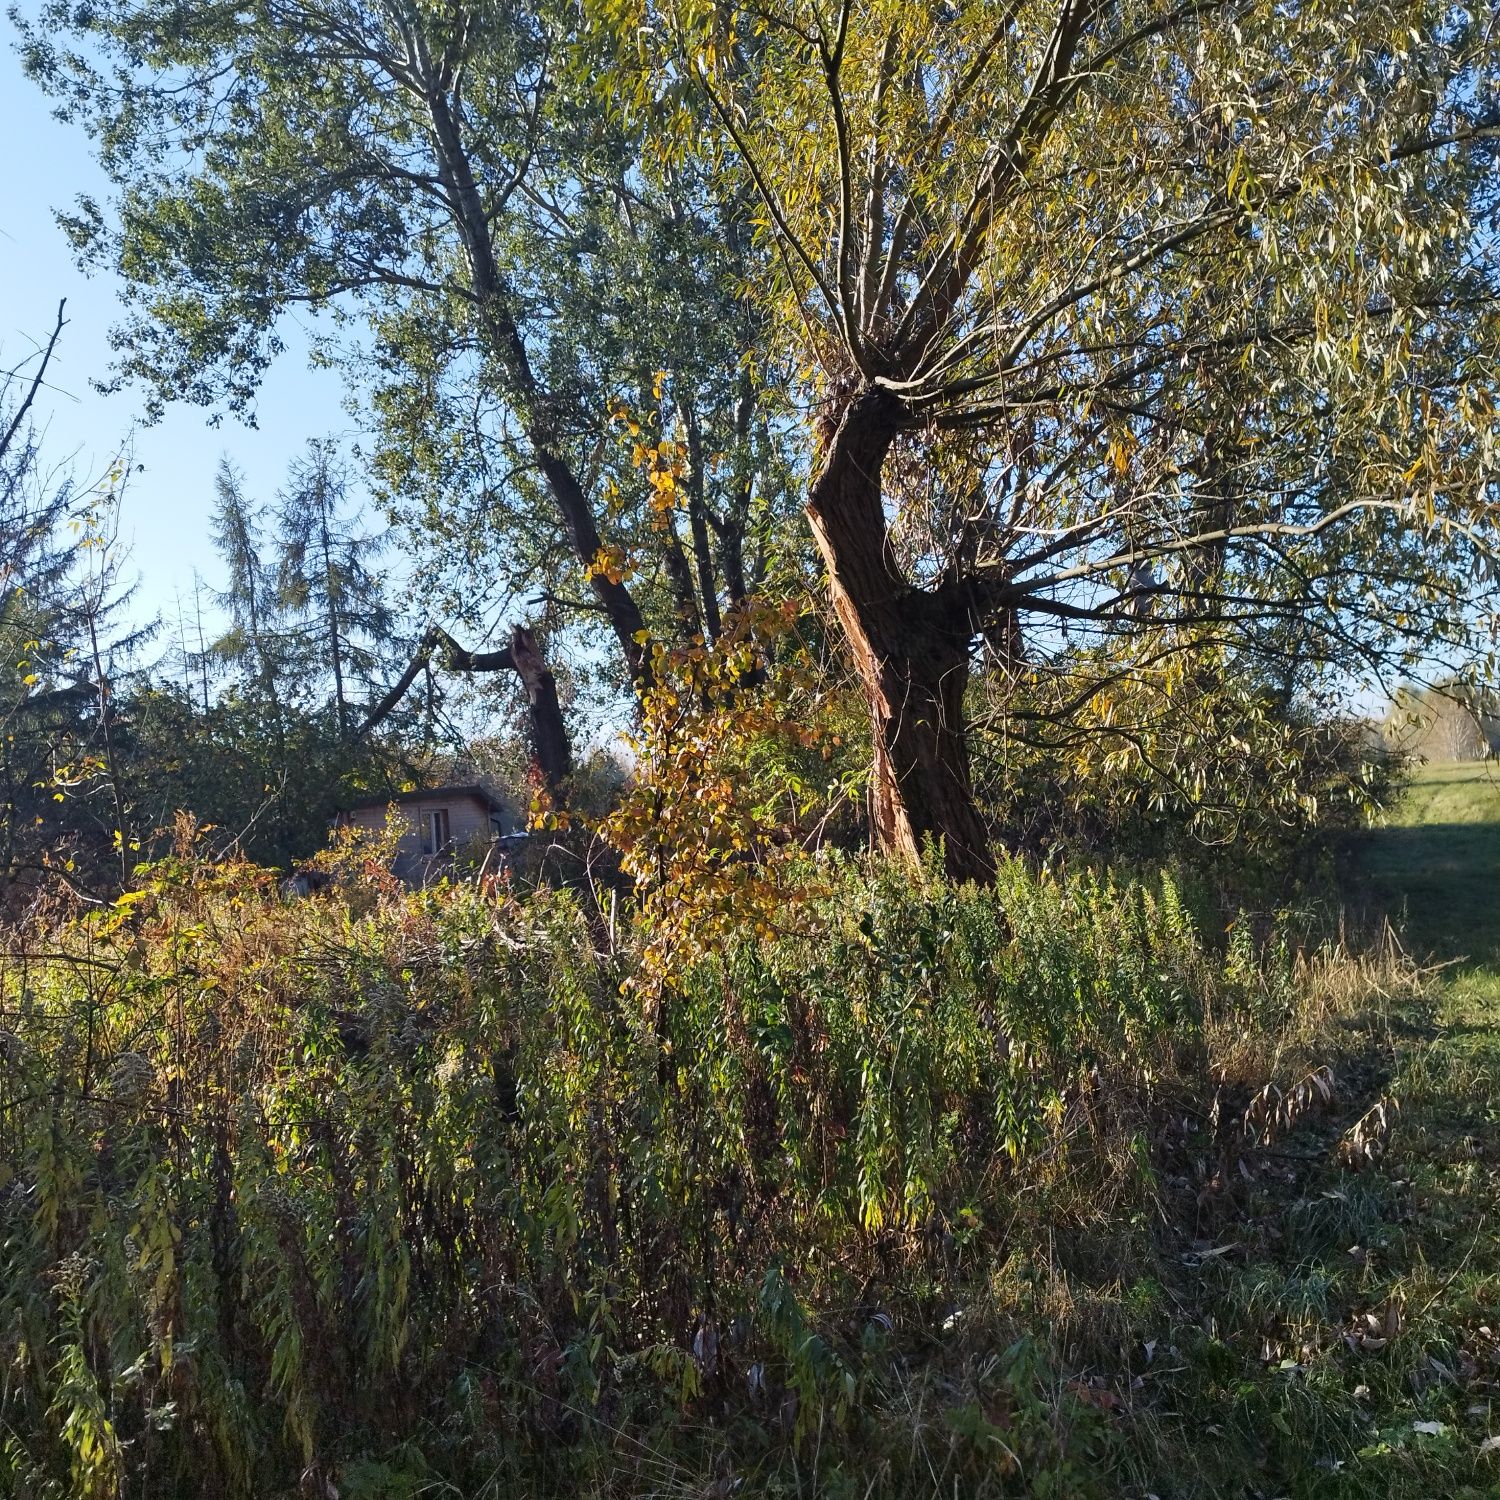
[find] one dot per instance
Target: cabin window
(435, 831)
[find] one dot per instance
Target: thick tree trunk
(680, 575)
(910, 649)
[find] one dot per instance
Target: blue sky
(166, 508)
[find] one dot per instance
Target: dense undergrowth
(386, 1194)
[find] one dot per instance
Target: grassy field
(1376, 1291)
(1438, 862)
(1431, 1251)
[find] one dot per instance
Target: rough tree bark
(910, 648)
(549, 734)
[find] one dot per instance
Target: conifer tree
(327, 582)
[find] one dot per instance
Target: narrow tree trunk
(506, 346)
(549, 734)
(910, 650)
(708, 585)
(111, 759)
(335, 649)
(731, 528)
(202, 644)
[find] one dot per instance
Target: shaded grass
(1306, 1330)
(1436, 862)
(1378, 1294)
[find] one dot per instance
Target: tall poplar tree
(517, 262)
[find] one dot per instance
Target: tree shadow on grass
(1444, 880)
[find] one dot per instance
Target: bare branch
(19, 415)
(458, 658)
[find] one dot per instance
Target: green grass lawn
(1433, 1248)
(1437, 861)
(1376, 1292)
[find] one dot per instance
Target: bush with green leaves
(1239, 784)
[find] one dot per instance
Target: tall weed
(394, 1189)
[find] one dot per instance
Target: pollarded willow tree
(1166, 316)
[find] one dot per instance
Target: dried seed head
(130, 1077)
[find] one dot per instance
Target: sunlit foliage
(1116, 318)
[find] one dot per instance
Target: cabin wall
(468, 821)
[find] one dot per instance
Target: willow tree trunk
(911, 652)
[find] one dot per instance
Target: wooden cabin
(444, 826)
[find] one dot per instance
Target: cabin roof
(435, 794)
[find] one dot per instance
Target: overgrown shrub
(382, 1190)
(1193, 766)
